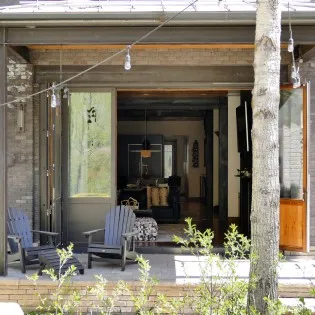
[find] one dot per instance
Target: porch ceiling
(168, 105)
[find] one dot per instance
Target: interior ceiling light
(145, 151)
(128, 59)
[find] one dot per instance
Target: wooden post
(3, 147)
(223, 175)
(209, 161)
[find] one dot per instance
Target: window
(169, 158)
(90, 144)
(291, 143)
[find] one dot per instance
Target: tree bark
(265, 189)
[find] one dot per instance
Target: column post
(3, 153)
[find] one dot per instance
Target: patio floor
(177, 269)
(296, 277)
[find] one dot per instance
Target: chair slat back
(118, 221)
(13, 247)
(19, 225)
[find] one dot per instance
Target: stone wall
(20, 158)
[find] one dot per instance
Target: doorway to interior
(181, 129)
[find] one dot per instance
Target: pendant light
(145, 151)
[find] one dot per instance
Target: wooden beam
(208, 126)
(219, 35)
(146, 46)
(223, 164)
(155, 76)
(3, 153)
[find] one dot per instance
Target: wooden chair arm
(129, 235)
(88, 233)
(45, 233)
(14, 238)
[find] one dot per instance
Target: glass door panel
(90, 160)
(293, 169)
(90, 145)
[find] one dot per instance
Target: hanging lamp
(145, 151)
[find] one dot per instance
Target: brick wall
(174, 57)
(25, 293)
(20, 158)
(307, 71)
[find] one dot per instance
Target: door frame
(305, 202)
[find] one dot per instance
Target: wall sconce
(20, 117)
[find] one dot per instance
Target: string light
(104, 60)
(290, 45)
(65, 92)
(291, 41)
(128, 59)
(53, 100)
(295, 75)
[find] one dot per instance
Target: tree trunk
(265, 189)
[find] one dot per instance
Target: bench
(49, 259)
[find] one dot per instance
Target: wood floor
(205, 218)
(201, 216)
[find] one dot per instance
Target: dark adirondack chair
(119, 238)
(20, 240)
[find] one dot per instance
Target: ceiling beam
(155, 76)
(170, 107)
(145, 46)
(165, 35)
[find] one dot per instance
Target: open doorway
(176, 180)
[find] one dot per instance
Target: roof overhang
(143, 19)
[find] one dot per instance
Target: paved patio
(177, 269)
(296, 277)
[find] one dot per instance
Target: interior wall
(180, 160)
(194, 130)
(234, 101)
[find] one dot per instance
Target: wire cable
(18, 99)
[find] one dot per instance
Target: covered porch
(196, 59)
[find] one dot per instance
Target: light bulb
(127, 62)
(65, 93)
(53, 101)
(293, 72)
(290, 45)
(297, 82)
(220, 3)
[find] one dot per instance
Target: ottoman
(148, 229)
